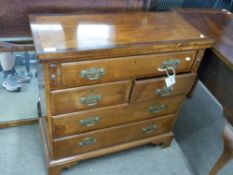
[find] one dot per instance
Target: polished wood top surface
(77, 33)
(216, 24)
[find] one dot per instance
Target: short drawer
(113, 69)
(78, 144)
(82, 98)
(85, 121)
(156, 87)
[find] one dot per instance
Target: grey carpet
(21, 154)
(199, 132)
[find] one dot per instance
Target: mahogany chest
(102, 81)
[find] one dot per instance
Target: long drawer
(82, 98)
(111, 136)
(85, 121)
(100, 71)
(156, 88)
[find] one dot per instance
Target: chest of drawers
(102, 81)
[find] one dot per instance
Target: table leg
(227, 154)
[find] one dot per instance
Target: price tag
(170, 80)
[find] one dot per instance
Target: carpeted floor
(198, 131)
(21, 154)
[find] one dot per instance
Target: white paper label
(170, 80)
(50, 49)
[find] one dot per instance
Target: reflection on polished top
(77, 33)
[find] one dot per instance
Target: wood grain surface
(111, 136)
(115, 69)
(216, 71)
(92, 64)
(69, 124)
(70, 100)
(119, 32)
(216, 24)
(149, 89)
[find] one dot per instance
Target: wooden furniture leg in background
(227, 154)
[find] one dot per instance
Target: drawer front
(156, 88)
(111, 136)
(82, 98)
(148, 66)
(85, 121)
(114, 69)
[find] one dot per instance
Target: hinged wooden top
(109, 35)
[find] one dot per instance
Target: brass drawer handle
(90, 121)
(149, 129)
(156, 108)
(170, 63)
(164, 91)
(92, 73)
(90, 100)
(87, 141)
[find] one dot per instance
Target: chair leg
(227, 154)
(223, 159)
